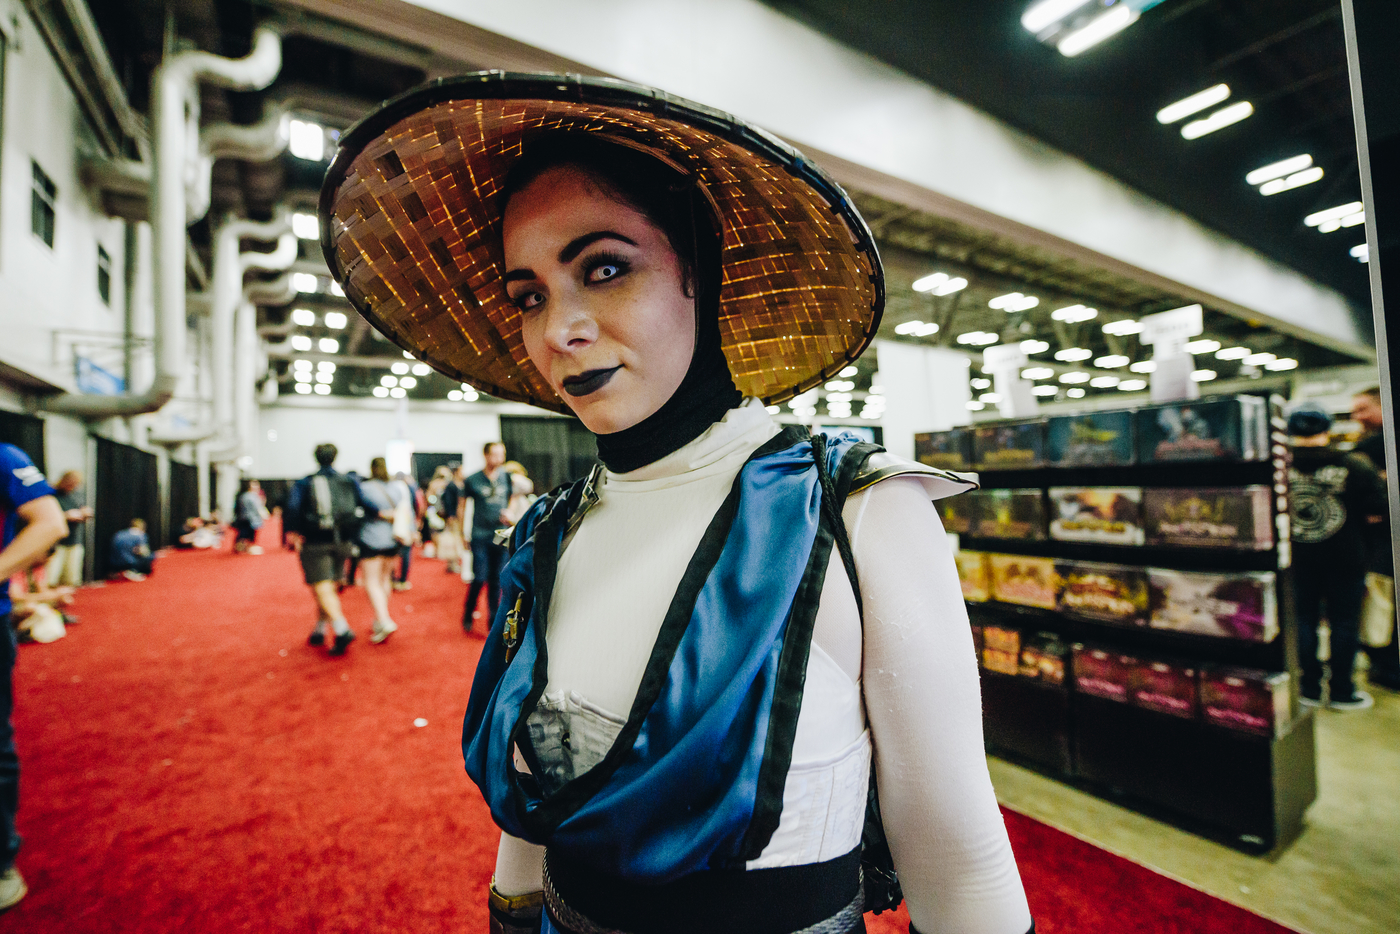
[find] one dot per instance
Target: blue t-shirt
(126, 546)
(20, 484)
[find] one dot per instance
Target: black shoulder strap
(834, 493)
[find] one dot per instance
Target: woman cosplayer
(715, 650)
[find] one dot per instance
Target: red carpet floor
(191, 765)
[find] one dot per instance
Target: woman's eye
(603, 272)
(527, 300)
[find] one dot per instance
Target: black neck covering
(702, 398)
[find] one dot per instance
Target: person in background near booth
(1385, 659)
(488, 491)
(130, 555)
(250, 512)
(31, 521)
(378, 547)
(450, 506)
(522, 492)
(323, 517)
(1334, 495)
(433, 524)
(65, 567)
(408, 510)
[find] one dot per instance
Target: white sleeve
(519, 866)
(923, 700)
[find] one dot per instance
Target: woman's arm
(923, 700)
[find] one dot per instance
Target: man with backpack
(323, 516)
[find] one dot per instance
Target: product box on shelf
(1102, 672)
(1110, 593)
(1216, 517)
(959, 513)
(1246, 699)
(1109, 515)
(946, 450)
(1009, 445)
(1001, 650)
(1163, 686)
(1091, 439)
(974, 576)
(1043, 658)
(1018, 514)
(1207, 429)
(1235, 605)
(1023, 580)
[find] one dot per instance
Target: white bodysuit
(905, 682)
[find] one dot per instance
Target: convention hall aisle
(190, 764)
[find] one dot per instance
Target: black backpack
(332, 507)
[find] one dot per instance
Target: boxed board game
(946, 450)
(1009, 445)
(1023, 580)
(1164, 686)
(959, 513)
(1108, 515)
(1108, 593)
(1091, 439)
(1217, 517)
(1233, 428)
(1043, 658)
(1246, 699)
(1232, 605)
(974, 576)
(1102, 672)
(1018, 514)
(1001, 650)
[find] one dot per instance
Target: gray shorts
(323, 561)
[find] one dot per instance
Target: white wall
(360, 428)
(926, 389)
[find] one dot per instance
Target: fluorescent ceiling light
(455, 395)
(974, 406)
(328, 345)
(980, 383)
(399, 369)
(1296, 180)
(306, 140)
(397, 392)
(1037, 372)
(1205, 345)
(1132, 385)
(835, 397)
(387, 380)
(380, 392)
(978, 338)
(1076, 376)
(304, 282)
(1275, 170)
(1203, 376)
(1044, 390)
(848, 372)
(324, 377)
(301, 364)
(1074, 314)
(1285, 363)
(1233, 353)
(325, 366)
(408, 382)
(336, 290)
(1048, 13)
(1104, 382)
(1013, 302)
(421, 369)
(1259, 359)
(322, 389)
(1034, 346)
(335, 320)
(990, 398)
(1143, 366)
(301, 342)
(1222, 118)
(1112, 361)
(1073, 354)
(1108, 23)
(303, 376)
(1340, 211)
(917, 328)
(839, 385)
(304, 317)
(303, 388)
(306, 226)
(1075, 393)
(1195, 104)
(940, 283)
(1123, 327)
(1361, 252)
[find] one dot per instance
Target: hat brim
(410, 226)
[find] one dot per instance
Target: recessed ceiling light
(1112, 361)
(848, 372)
(399, 368)
(301, 364)
(839, 385)
(1361, 253)
(1073, 354)
(1203, 376)
(1259, 359)
(1034, 346)
(380, 392)
(833, 397)
(301, 342)
(303, 388)
(398, 392)
(1143, 366)
(1044, 390)
(408, 382)
(1075, 393)
(1273, 170)
(1108, 23)
(454, 395)
(1296, 180)
(1283, 363)
(978, 338)
(917, 328)
(304, 317)
(324, 377)
(1195, 104)
(1104, 382)
(324, 366)
(328, 345)
(304, 282)
(1123, 327)
(1222, 118)
(980, 383)
(335, 320)
(387, 380)
(421, 369)
(1233, 353)
(1205, 345)
(940, 283)
(1319, 218)
(1132, 385)
(302, 376)
(1037, 372)
(1014, 301)
(1074, 314)
(321, 389)
(1074, 376)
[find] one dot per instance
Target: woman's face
(606, 316)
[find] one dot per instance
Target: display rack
(1247, 789)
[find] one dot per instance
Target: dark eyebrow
(515, 275)
(577, 245)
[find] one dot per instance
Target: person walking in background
(65, 566)
(31, 522)
(130, 555)
(433, 524)
(407, 512)
(250, 512)
(489, 491)
(450, 507)
(378, 547)
(522, 492)
(323, 518)
(1385, 659)
(1334, 493)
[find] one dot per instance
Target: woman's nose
(569, 327)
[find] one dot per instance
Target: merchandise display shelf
(1186, 706)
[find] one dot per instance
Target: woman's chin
(604, 413)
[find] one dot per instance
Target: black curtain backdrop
(552, 450)
(26, 433)
(184, 498)
(126, 487)
(426, 462)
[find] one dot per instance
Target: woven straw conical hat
(410, 227)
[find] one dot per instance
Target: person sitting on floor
(131, 554)
(35, 613)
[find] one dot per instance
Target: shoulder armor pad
(940, 484)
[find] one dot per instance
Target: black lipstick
(589, 382)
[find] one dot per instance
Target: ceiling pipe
(254, 142)
(174, 110)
